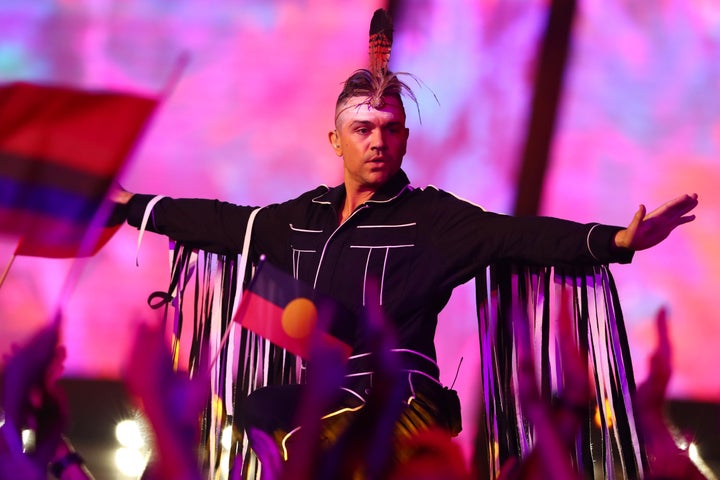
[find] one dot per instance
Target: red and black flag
(60, 150)
(292, 315)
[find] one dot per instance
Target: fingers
(640, 214)
(683, 220)
(148, 361)
(647, 230)
(661, 362)
(661, 324)
(651, 393)
(637, 218)
(683, 202)
(677, 207)
(626, 238)
(35, 356)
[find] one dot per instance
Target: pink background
(248, 118)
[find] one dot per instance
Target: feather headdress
(379, 47)
(377, 81)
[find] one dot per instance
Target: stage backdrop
(247, 122)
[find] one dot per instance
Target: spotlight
(28, 439)
(129, 435)
(130, 461)
(226, 438)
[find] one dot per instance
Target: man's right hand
(118, 194)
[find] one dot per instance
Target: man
(415, 244)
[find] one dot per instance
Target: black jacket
(418, 244)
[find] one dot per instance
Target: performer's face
(372, 141)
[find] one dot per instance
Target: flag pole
(177, 71)
(230, 328)
(7, 269)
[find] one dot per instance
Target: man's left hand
(646, 231)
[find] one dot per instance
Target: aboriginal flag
(60, 150)
(290, 313)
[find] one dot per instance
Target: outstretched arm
(646, 231)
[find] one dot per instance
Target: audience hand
(30, 399)
(555, 429)
(665, 459)
(171, 401)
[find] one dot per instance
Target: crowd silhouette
(172, 402)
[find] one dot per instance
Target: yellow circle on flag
(299, 318)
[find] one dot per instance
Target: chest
(369, 258)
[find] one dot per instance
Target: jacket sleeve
(554, 241)
(211, 225)
(471, 238)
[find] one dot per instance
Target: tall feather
(381, 38)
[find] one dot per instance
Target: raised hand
(647, 230)
(31, 399)
(118, 194)
(171, 401)
(665, 458)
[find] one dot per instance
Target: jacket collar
(388, 192)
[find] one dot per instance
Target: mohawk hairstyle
(378, 81)
(364, 83)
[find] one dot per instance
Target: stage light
(226, 438)
(608, 415)
(129, 435)
(693, 452)
(132, 457)
(28, 439)
(130, 461)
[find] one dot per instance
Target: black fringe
(611, 450)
